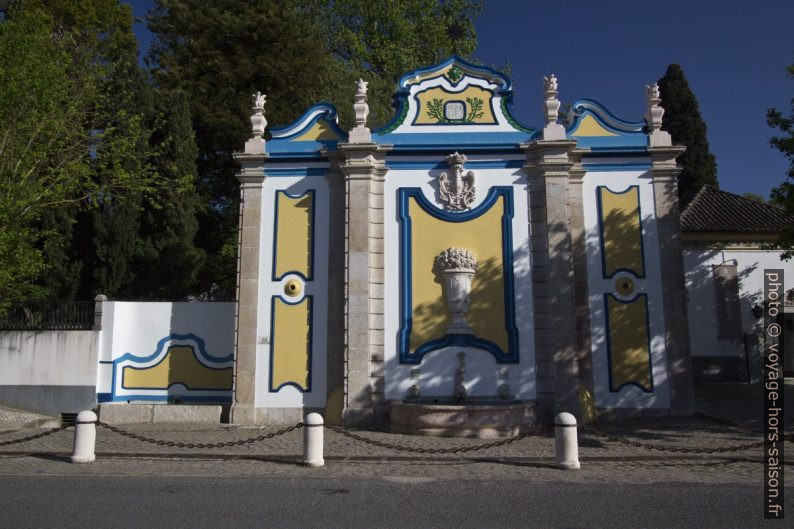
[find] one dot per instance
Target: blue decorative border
(202, 351)
(281, 144)
(581, 107)
(295, 171)
(612, 389)
(406, 306)
(309, 299)
(275, 236)
(457, 122)
(600, 213)
(291, 131)
(470, 164)
(499, 78)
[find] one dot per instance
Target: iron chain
(180, 444)
(420, 450)
(674, 449)
(32, 437)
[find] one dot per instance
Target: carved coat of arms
(455, 189)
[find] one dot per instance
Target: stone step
(124, 413)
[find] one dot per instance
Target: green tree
(783, 195)
(683, 121)
(755, 197)
(298, 52)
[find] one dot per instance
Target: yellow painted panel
(290, 345)
(621, 231)
(320, 131)
(179, 366)
(483, 236)
(588, 126)
(294, 234)
(429, 75)
(439, 96)
(629, 345)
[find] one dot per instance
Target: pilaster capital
(550, 158)
(663, 162)
(363, 160)
(252, 168)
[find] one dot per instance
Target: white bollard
(313, 440)
(567, 448)
(84, 437)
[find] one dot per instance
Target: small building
(728, 243)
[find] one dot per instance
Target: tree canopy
(783, 195)
(298, 52)
(686, 127)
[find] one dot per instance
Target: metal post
(84, 437)
(313, 440)
(567, 449)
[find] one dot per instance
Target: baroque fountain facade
(457, 272)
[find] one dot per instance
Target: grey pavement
(531, 459)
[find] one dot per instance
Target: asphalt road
(404, 502)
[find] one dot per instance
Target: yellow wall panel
(178, 366)
(483, 236)
(294, 244)
(320, 131)
(291, 344)
(472, 92)
(588, 126)
(621, 231)
(629, 344)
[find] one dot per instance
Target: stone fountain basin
(488, 419)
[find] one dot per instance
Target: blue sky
(734, 54)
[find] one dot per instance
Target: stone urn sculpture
(456, 267)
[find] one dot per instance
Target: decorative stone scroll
(454, 188)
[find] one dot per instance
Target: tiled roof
(713, 210)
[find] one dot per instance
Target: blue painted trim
(310, 301)
(599, 167)
(202, 351)
(275, 236)
(498, 140)
(600, 211)
(296, 171)
(205, 399)
(104, 397)
(328, 114)
(471, 164)
(611, 122)
(499, 78)
(612, 389)
(626, 142)
(457, 122)
(304, 149)
(406, 305)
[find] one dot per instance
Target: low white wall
(701, 294)
(49, 372)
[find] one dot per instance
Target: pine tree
(683, 121)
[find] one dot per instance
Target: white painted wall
(701, 294)
(437, 368)
(289, 396)
(136, 328)
(48, 358)
(628, 396)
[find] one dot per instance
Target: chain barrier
(32, 437)
(451, 450)
(180, 444)
(678, 449)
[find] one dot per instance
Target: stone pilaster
(336, 276)
(251, 178)
(548, 170)
(581, 291)
(664, 172)
(364, 169)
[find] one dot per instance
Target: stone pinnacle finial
(551, 107)
(653, 116)
(258, 121)
(360, 133)
(256, 144)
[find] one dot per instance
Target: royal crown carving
(456, 189)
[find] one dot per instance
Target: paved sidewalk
(532, 458)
